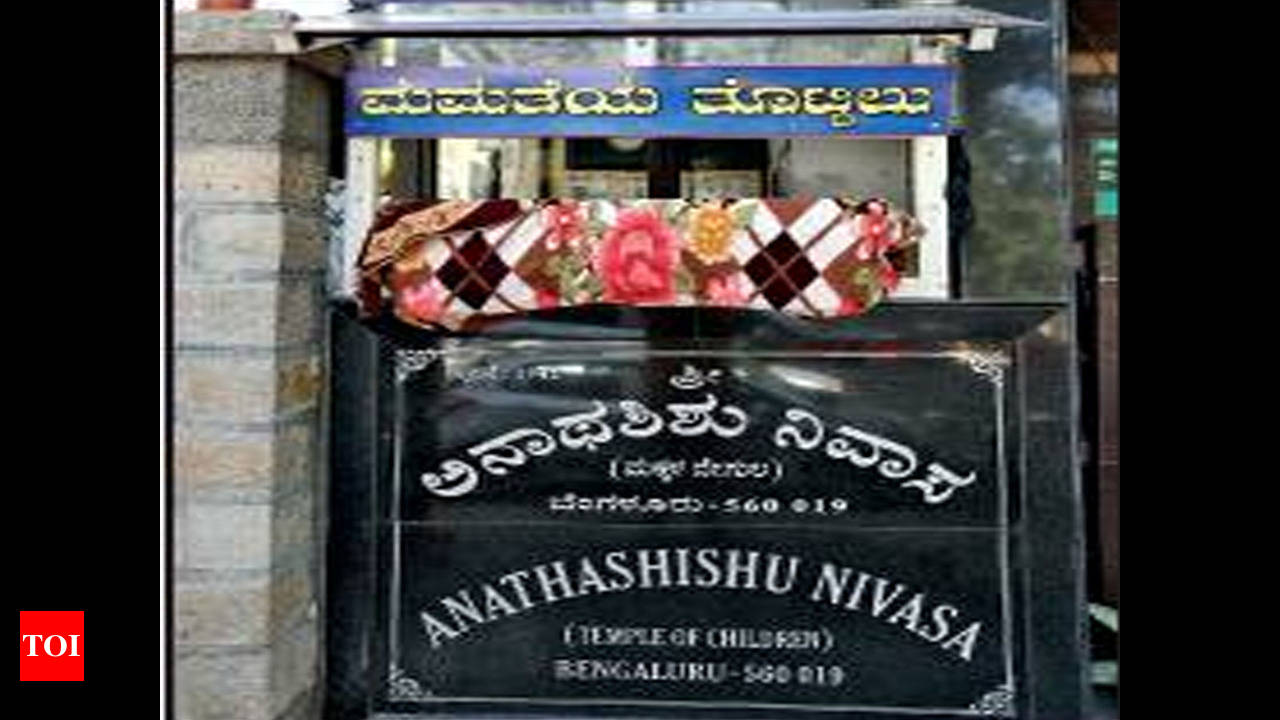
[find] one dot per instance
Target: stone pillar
(251, 144)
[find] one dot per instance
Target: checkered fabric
(452, 263)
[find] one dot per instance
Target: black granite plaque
(777, 528)
(585, 527)
(621, 433)
(748, 616)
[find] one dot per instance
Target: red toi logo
(51, 645)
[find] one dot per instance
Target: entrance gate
(613, 506)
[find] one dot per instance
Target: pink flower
(864, 250)
(850, 305)
(636, 259)
(547, 298)
(564, 222)
(888, 277)
(725, 290)
(873, 229)
(423, 302)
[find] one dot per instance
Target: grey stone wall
(250, 251)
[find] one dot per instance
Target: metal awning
(949, 19)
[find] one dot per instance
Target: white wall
(857, 168)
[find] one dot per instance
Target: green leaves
(574, 277)
(595, 224)
(684, 280)
(566, 269)
(592, 286)
(671, 211)
(864, 276)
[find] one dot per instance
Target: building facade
(273, 201)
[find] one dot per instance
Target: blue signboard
(876, 101)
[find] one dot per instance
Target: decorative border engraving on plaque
(409, 362)
(989, 364)
(403, 687)
(997, 702)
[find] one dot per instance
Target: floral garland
(440, 268)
